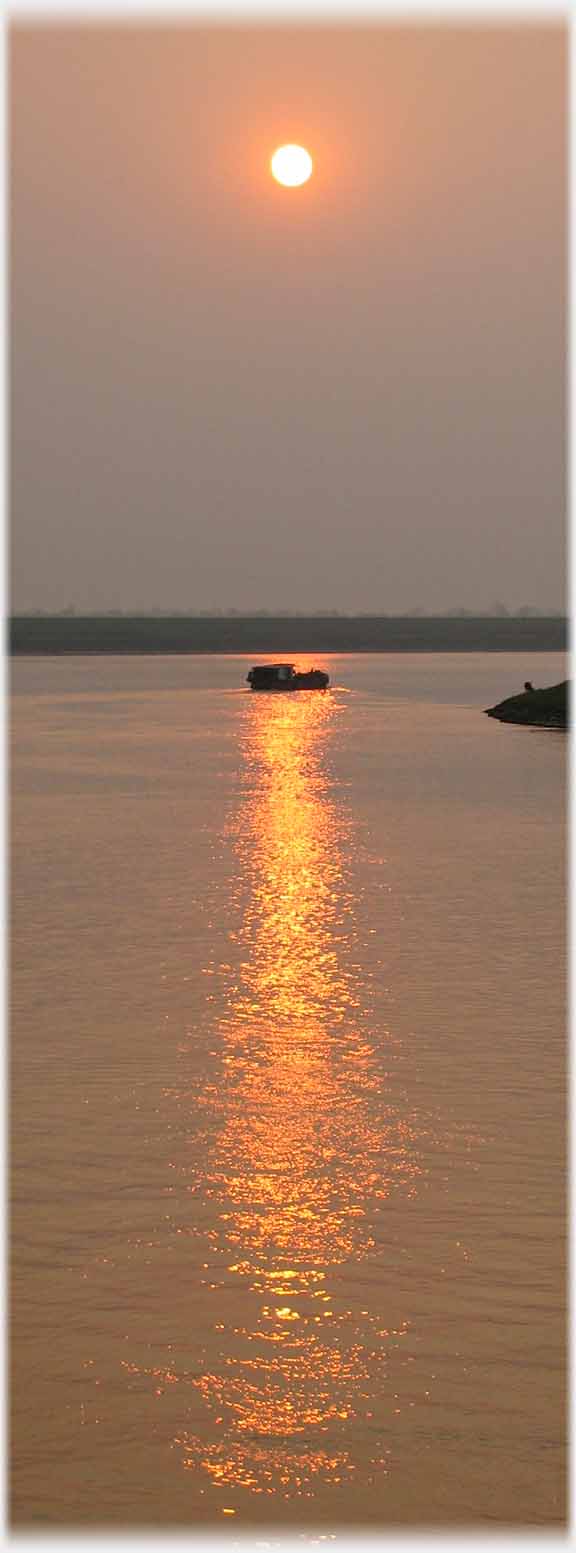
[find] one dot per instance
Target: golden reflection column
(305, 1141)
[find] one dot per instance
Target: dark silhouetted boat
(283, 676)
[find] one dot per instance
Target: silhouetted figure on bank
(528, 684)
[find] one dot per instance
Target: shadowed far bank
(336, 634)
(548, 708)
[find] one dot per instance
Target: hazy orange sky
(348, 395)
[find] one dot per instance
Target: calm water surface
(287, 1097)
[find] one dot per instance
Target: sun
(291, 165)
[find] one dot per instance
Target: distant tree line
(273, 634)
(497, 611)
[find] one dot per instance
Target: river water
(288, 1098)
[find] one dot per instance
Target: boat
(284, 676)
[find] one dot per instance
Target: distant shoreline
(53, 635)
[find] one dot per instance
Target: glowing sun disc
(291, 165)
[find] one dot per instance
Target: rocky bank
(537, 708)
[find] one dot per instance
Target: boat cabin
(269, 676)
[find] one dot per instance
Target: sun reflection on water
(308, 1144)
